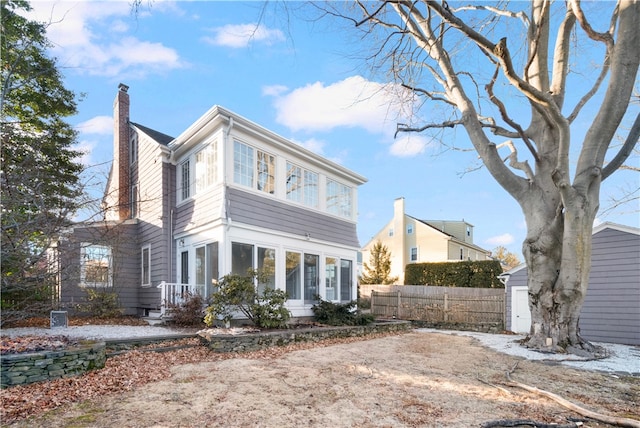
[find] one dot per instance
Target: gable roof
(158, 136)
(451, 237)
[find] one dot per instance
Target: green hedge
(479, 274)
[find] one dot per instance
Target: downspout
(225, 202)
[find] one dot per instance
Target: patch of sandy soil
(406, 380)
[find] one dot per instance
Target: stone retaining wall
(257, 341)
(21, 369)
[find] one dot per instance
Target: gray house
(611, 311)
(225, 196)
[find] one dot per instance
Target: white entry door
(520, 314)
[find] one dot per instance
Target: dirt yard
(407, 380)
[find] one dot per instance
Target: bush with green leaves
(331, 313)
(237, 293)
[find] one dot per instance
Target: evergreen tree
(40, 181)
(379, 267)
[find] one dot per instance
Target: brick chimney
(120, 168)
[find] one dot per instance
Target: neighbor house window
(338, 199)
(185, 177)
(302, 186)
(95, 266)
(409, 229)
(146, 266)
(206, 166)
(414, 254)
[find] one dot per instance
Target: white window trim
(83, 282)
(142, 279)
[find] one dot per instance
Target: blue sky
(299, 78)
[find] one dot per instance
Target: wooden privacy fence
(450, 306)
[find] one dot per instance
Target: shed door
(520, 314)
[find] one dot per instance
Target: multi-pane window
(302, 185)
(185, 180)
(146, 266)
(346, 280)
(338, 279)
(266, 168)
(206, 166)
(95, 266)
(311, 194)
(254, 168)
(294, 183)
(338, 199)
(242, 164)
(414, 254)
(331, 278)
(311, 277)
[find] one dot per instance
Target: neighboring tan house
(611, 309)
(410, 240)
(223, 197)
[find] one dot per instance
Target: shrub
(189, 312)
(237, 293)
(100, 304)
(475, 274)
(340, 313)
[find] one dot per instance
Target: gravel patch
(98, 332)
(623, 359)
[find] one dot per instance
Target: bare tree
(460, 59)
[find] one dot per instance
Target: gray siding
(269, 213)
(154, 219)
(125, 266)
(611, 310)
(207, 209)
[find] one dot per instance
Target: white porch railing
(173, 294)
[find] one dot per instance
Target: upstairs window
(185, 177)
(302, 186)
(206, 166)
(254, 168)
(339, 200)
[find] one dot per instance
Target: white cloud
(504, 239)
(92, 38)
(314, 145)
(352, 102)
(274, 90)
(241, 35)
(86, 148)
(409, 145)
(99, 125)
